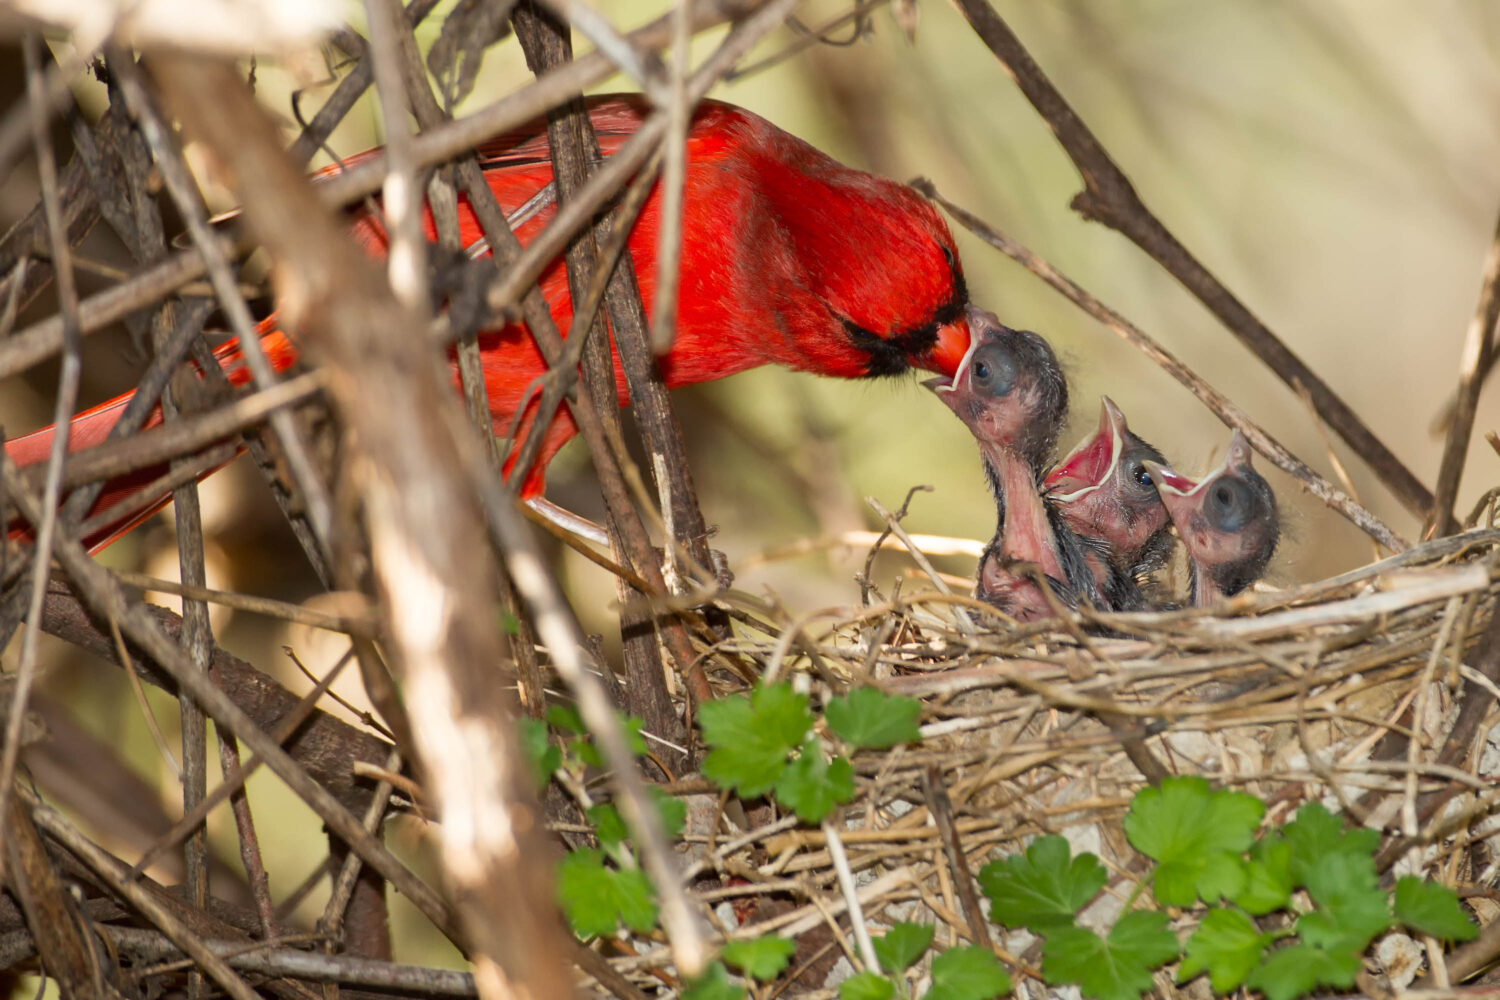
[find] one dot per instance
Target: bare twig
(674, 174)
(114, 875)
(436, 587)
(1109, 197)
(291, 963)
(184, 192)
(1478, 346)
(67, 397)
(840, 861)
(107, 598)
(940, 807)
(401, 195)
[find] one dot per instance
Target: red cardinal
(788, 257)
(1227, 520)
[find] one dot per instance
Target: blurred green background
(1332, 161)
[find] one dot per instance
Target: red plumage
(788, 257)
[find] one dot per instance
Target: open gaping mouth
(1091, 464)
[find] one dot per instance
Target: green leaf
(1352, 909)
(1196, 835)
(812, 785)
(583, 749)
(1429, 908)
(1298, 970)
(1227, 945)
(751, 737)
(542, 755)
(870, 718)
(608, 826)
(597, 899)
(867, 986)
(967, 973)
(1115, 968)
(763, 958)
(565, 718)
(1348, 926)
(673, 812)
(1317, 834)
(1268, 877)
(714, 984)
(900, 947)
(633, 724)
(1042, 889)
(1340, 874)
(509, 623)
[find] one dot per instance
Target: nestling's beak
(1090, 465)
(1169, 481)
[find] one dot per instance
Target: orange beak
(948, 352)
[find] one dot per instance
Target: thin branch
(294, 964)
(184, 192)
(1477, 348)
(114, 875)
(673, 188)
(1109, 197)
(940, 808)
(67, 397)
(436, 587)
(107, 598)
(1221, 406)
(44, 338)
(401, 195)
(454, 139)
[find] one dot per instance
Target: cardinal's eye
(948, 256)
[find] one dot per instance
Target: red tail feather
(92, 427)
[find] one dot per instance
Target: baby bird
(1228, 522)
(1010, 392)
(1103, 493)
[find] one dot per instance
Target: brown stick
(326, 746)
(51, 913)
(940, 808)
(570, 135)
(1478, 346)
(437, 588)
(1110, 198)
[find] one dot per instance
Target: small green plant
(762, 743)
(599, 889)
(1208, 860)
(1285, 912)
(963, 973)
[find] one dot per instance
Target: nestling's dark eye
(1142, 478)
(1227, 505)
(992, 370)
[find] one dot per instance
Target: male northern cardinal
(1105, 495)
(1227, 520)
(788, 257)
(1011, 394)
